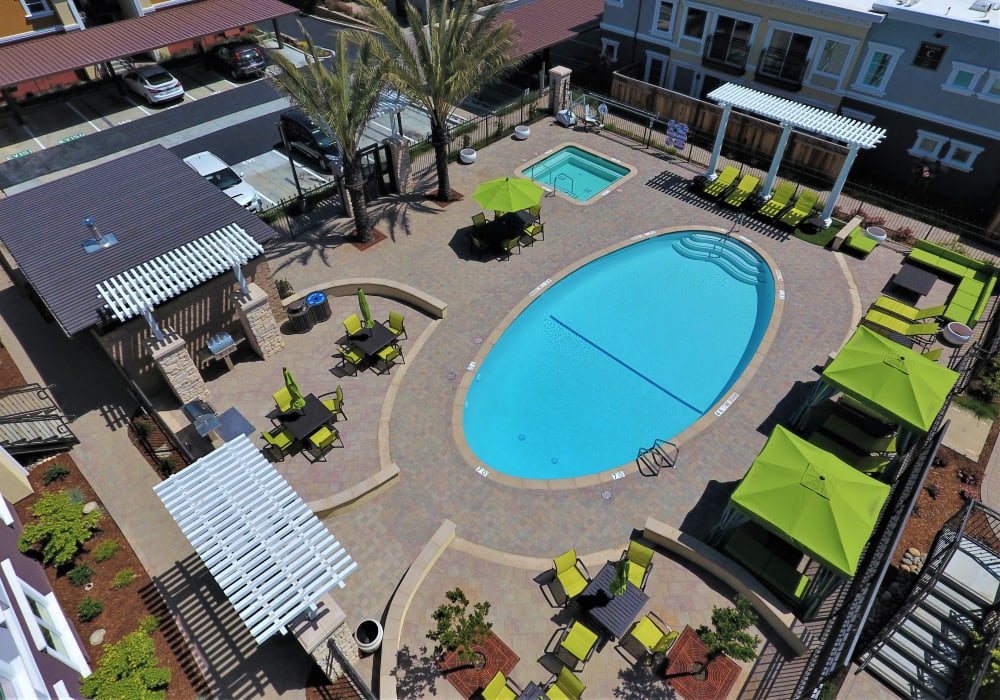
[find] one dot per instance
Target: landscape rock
(97, 637)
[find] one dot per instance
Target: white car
(154, 83)
(213, 169)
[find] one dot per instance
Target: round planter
(369, 636)
(522, 131)
(467, 155)
(876, 233)
(956, 333)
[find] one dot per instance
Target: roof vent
(98, 242)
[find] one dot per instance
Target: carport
(50, 55)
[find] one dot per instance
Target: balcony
(781, 68)
(726, 54)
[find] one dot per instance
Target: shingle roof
(544, 23)
(38, 57)
(149, 199)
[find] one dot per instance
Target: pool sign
(677, 134)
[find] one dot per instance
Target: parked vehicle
(242, 59)
(304, 135)
(214, 169)
(154, 83)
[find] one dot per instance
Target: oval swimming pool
(633, 346)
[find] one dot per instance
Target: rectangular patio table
(505, 227)
(915, 279)
(614, 613)
(532, 691)
(370, 340)
(303, 422)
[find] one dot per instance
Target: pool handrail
(656, 458)
(572, 185)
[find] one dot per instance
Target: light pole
(291, 163)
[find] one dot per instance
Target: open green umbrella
(293, 389)
(366, 313)
(508, 194)
(620, 581)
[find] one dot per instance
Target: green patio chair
(717, 187)
(279, 443)
(478, 219)
(640, 562)
(387, 358)
(649, 635)
(747, 186)
(882, 320)
(536, 213)
(351, 357)
(907, 312)
(336, 404)
(282, 399)
(498, 689)
(510, 244)
(395, 324)
(802, 208)
(534, 232)
(565, 686)
(322, 441)
(480, 246)
(577, 644)
(778, 201)
(571, 574)
(352, 324)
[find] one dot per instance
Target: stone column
(258, 323)
(558, 87)
(174, 362)
(399, 155)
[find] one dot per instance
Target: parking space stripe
(82, 116)
(33, 137)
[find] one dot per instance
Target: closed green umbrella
(366, 313)
(508, 194)
(293, 389)
(620, 581)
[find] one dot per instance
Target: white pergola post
(719, 138)
(826, 216)
(779, 152)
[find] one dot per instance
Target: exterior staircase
(30, 421)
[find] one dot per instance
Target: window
(927, 145)
(960, 155)
(609, 50)
(730, 43)
(929, 55)
(877, 68)
(991, 88)
(833, 57)
(949, 152)
(664, 17)
(784, 59)
(36, 8)
(963, 78)
(694, 23)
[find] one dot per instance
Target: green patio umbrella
(508, 194)
(366, 313)
(812, 499)
(620, 581)
(293, 389)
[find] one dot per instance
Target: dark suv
(240, 59)
(307, 137)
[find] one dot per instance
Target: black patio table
(369, 341)
(614, 613)
(305, 421)
(915, 279)
(504, 227)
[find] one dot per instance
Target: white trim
(62, 692)
(992, 79)
(865, 117)
(841, 77)
(933, 153)
(5, 514)
(704, 30)
(662, 57)
(976, 129)
(26, 675)
(964, 166)
(959, 67)
(655, 27)
(609, 49)
(47, 12)
(894, 52)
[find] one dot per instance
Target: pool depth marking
(629, 367)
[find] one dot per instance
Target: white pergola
(856, 134)
(137, 290)
(269, 553)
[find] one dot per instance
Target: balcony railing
(726, 54)
(781, 68)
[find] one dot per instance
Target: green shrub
(123, 578)
(76, 496)
(80, 575)
(88, 609)
(142, 428)
(167, 466)
(129, 668)
(105, 550)
(55, 473)
(61, 528)
(284, 288)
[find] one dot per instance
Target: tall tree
(438, 66)
(342, 95)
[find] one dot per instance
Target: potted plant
(728, 635)
(459, 630)
(467, 154)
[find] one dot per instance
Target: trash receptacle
(319, 306)
(300, 318)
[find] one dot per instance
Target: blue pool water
(576, 173)
(634, 346)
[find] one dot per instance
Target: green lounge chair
(650, 635)
(778, 201)
(715, 188)
(859, 437)
(907, 312)
(736, 198)
(860, 242)
(497, 689)
(395, 324)
(933, 355)
(869, 464)
(801, 209)
(881, 319)
(640, 561)
(571, 574)
(579, 642)
(336, 404)
(566, 686)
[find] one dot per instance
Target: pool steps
(731, 256)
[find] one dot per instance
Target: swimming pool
(577, 173)
(636, 345)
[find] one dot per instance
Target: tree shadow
(643, 681)
(415, 674)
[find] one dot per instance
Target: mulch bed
(688, 650)
(456, 196)
(159, 453)
(466, 679)
(377, 236)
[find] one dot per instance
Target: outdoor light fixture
(99, 241)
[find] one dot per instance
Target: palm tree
(456, 55)
(343, 96)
